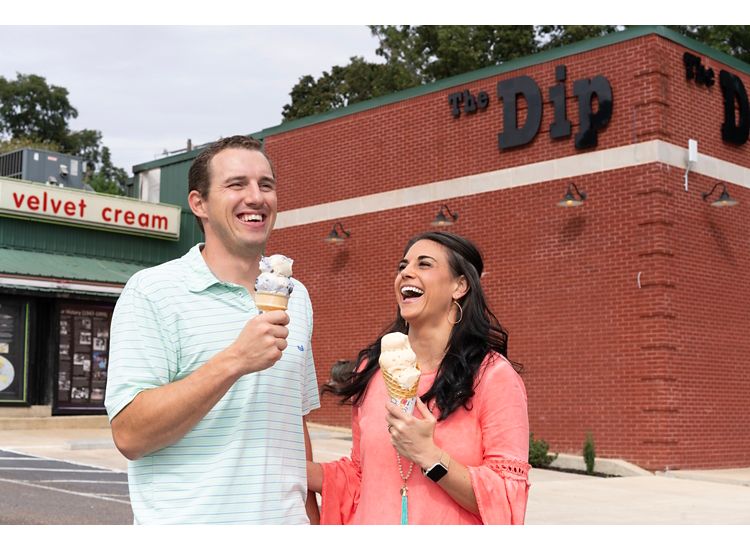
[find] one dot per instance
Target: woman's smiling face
(425, 284)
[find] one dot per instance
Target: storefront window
(83, 356)
(13, 356)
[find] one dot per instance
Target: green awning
(42, 265)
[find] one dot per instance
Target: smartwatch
(437, 470)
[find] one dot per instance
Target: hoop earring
(460, 314)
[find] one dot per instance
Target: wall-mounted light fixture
(441, 220)
(570, 199)
(723, 200)
(335, 237)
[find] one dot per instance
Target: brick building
(630, 312)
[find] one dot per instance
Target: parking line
(78, 470)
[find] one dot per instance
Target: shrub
(539, 456)
(589, 453)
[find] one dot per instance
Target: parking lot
(36, 490)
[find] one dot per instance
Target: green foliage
(357, 81)
(539, 456)
(31, 108)
(23, 142)
(35, 114)
(589, 453)
(731, 39)
(103, 185)
(554, 36)
(84, 143)
(420, 54)
(109, 179)
(433, 52)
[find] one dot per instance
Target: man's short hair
(199, 176)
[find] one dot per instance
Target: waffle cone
(395, 390)
(268, 301)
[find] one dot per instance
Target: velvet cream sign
(99, 211)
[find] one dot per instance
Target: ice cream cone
(406, 398)
(274, 282)
(269, 301)
(398, 363)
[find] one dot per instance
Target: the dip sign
(510, 91)
(72, 206)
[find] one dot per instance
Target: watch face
(437, 472)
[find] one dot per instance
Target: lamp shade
(334, 236)
(570, 199)
(441, 220)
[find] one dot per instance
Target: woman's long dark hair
(478, 333)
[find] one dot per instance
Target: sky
(150, 75)
(149, 89)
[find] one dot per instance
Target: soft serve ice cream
(398, 364)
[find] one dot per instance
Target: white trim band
(63, 286)
(566, 167)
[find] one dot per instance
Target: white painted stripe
(95, 481)
(24, 450)
(78, 470)
(615, 158)
(21, 458)
(58, 490)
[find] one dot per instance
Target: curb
(54, 422)
(607, 466)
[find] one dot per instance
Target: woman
(469, 431)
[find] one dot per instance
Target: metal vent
(11, 165)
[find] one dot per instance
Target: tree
(433, 52)
(14, 144)
(357, 81)
(731, 39)
(554, 36)
(421, 54)
(35, 114)
(31, 108)
(109, 179)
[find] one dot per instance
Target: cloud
(150, 88)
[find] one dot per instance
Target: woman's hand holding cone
(413, 437)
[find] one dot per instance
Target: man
(207, 396)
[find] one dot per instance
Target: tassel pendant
(404, 506)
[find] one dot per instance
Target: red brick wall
(658, 374)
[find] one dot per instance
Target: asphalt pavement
(705, 497)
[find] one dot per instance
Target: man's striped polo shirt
(244, 462)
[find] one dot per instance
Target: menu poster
(83, 356)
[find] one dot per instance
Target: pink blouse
(491, 439)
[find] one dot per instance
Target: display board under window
(83, 357)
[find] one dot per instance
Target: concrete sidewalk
(675, 497)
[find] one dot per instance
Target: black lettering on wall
(560, 127)
(734, 130)
(591, 122)
(509, 90)
(454, 100)
(694, 70)
(469, 102)
(483, 99)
